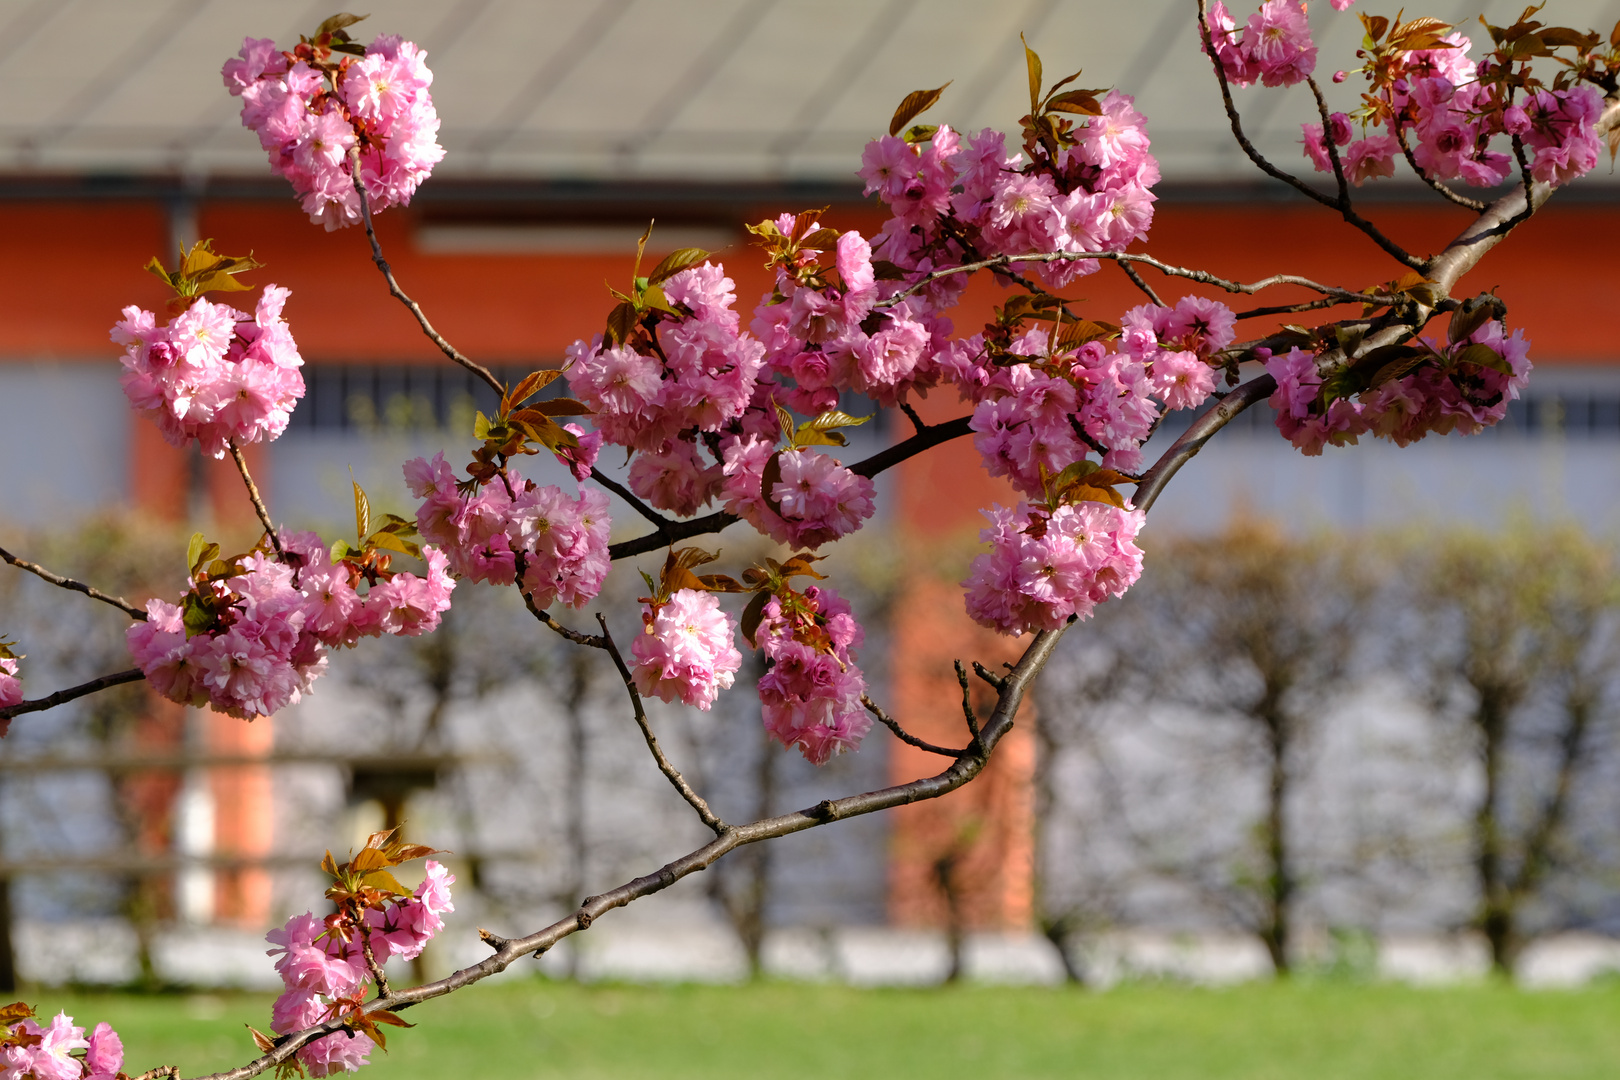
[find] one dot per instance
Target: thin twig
(1197, 434)
(1136, 279)
(931, 435)
(1203, 277)
(253, 494)
(76, 586)
(1327, 141)
(659, 520)
(162, 1072)
(1342, 206)
(372, 965)
(968, 714)
(1290, 309)
(399, 294)
(63, 696)
(905, 736)
(697, 802)
(911, 414)
(1441, 189)
(996, 681)
(591, 640)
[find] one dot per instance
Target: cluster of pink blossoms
(11, 690)
(272, 623)
(1439, 397)
(811, 696)
(310, 114)
(1451, 120)
(1041, 416)
(48, 1053)
(701, 418)
(1275, 48)
(687, 652)
(561, 541)
(213, 373)
(1045, 567)
(321, 970)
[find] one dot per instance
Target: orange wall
(67, 269)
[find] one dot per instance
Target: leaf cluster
(798, 250)
(202, 270)
(1047, 134)
(520, 428)
(641, 307)
(368, 554)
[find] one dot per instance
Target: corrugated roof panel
(708, 89)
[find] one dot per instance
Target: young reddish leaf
(262, 1041)
(1075, 334)
(821, 240)
(1560, 36)
(17, 1010)
(562, 406)
(722, 583)
(1033, 62)
(621, 322)
(368, 859)
(915, 104)
(362, 512)
(340, 21)
(751, 616)
(329, 865)
(383, 1016)
(674, 263)
(1087, 493)
(1083, 102)
(768, 481)
(407, 852)
(799, 566)
(1468, 318)
(532, 384)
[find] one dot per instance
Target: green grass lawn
(1322, 1031)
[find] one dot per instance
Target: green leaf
(340, 550)
(914, 105)
(1483, 356)
(194, 552)
(480, 426)
(674, 263)
(394, 543)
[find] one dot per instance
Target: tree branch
(931, 435)
(509, 951)
(399, 294)
(75, 586)
(1136, 279)
(905, 736)
(63, 696)
(968, 714)
(1200, 432)
(253, 494)
(1341, 205)
(671, 773)
(659, 521)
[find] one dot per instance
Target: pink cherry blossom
(686, 653)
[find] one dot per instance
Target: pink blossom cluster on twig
(253, 642)
(324, 968)
(213, 373)
(309, 114)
